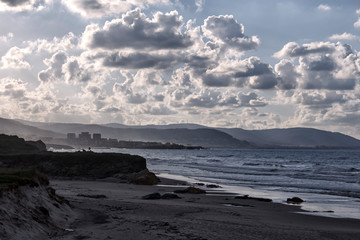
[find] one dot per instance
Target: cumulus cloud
(324, 7)
(344, 36)
(66, 43)
(292, 49)
(23, 5)
(139, 60)
(321, 65)
(207, 98)
(15, 59)
(135, 31)
(70, 69)
(224, 29)
(54, 70)
(13, 88)
(103, 8)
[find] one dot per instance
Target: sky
(256, 64)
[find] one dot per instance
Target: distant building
(97, 136)
(84, 138)
(97, 139)
(71, 136)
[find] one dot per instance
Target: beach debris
(254, 198)
(213, 186)
(294, 200)
(152, 196)
(170, 196)
(144, 177)
(92, 196)
(192, 190)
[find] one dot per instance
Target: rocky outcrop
(79, 165)
(144, 177)
(14, 144)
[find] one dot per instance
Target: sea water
(328, 180)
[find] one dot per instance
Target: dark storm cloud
(134, 30)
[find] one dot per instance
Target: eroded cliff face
(29, 207)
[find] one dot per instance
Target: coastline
(121, 211)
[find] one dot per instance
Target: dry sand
(123, 214)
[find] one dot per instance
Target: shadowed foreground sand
(106, 210)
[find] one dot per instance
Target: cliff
(29, 207)
(81, 165)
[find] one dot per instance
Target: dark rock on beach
(144, 177)
(294, 200)
(213, 186)
(254, 198)
(191, 190)
(152, 196)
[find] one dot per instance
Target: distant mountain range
(188, 134)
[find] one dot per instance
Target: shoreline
(122, 211)
(322, 209)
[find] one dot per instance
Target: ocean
(328, 180)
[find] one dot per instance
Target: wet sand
(108, 210)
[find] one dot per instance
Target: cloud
(66, 43)
(210, 99)
(15, 59)
(54, 70)
(324, 7)
(344, 36)
(160, 109)
(292, 49)
(23, 5)
(13, 88)
(70, 69)
(200, 5)
(106, 8)
(318, 99)
(135, 31)
(139, 60)
(224, 29)
(321, 65)
(247, 73)
(357, 23)
(7, 37)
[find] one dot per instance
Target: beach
(113, 210)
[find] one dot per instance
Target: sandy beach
(109, 210)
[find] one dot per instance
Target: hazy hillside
(193, 134)
(204, 137)
(12, 127)
(299, 137)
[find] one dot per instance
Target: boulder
(144, 177)
(191, 190)
(212, 186)
(294, 200)
(152, 196)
